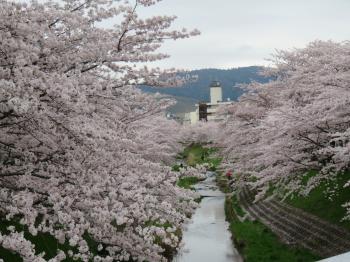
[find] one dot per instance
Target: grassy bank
(193, 155)
(187, 182)
(320, 204)
(222, 182)
(257, 243)
(200, 154)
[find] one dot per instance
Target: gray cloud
(246, 32)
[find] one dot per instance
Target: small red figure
(229, 174)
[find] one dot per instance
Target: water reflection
(207, 238)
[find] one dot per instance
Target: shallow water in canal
(207, 238)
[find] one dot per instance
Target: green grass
(195, 154)
(187, 182)
(235, 205)
(198, 154)
(256, 243)
(319, 204)
(222, 182)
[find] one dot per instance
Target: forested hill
(199, 90)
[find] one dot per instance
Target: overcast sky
(246, 32)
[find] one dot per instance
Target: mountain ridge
(199, 90)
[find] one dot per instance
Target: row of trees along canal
(84, 156)
(289, 140)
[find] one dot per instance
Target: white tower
(215, 92)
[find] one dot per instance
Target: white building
(208, 111)
(194, 117)
(215, 92)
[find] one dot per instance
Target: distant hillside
(199, 90)
(183, 105)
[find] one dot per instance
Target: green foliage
(187, 182)
(199, 199)
(169, 251)
(44, 242)
(119, 228)
(176, 167)
(198, 154)
(257, 243)
(222, 182)
(195, 154)
(158, 224)
(7, 255)
(320, 204)
(235, 205)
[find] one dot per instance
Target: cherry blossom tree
(297, 122)
(201, 132)
(82, 151)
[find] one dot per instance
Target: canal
(207, 238)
